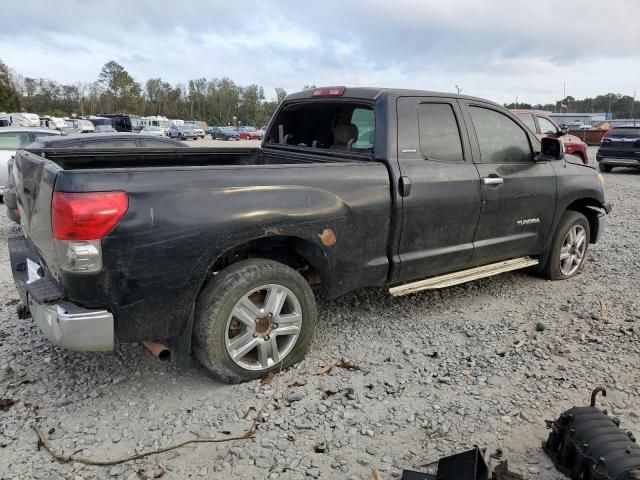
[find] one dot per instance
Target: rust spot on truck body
(328, 237)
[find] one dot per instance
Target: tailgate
(34, 179)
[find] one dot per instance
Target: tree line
(215, 101)
(621, 106)
(218, 101)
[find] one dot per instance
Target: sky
(496, 49)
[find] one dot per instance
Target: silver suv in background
(13, 138)
(183, 132)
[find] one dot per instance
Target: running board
(463, 276)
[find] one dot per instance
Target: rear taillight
(86, 216)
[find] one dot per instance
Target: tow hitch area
(469, 465)
(586, 443)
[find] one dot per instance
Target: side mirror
(552, 149)
(564, 130)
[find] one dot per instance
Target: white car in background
(155, 131)
(198, 131)
(12, 139)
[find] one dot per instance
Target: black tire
(221, 295)
(604, 168)
(570, 219)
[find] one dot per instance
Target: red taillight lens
(86, 216)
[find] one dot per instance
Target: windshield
(228, 129)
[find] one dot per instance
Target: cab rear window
(329, 126)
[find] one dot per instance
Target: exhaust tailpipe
(159, 350)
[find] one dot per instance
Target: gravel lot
(437, 372)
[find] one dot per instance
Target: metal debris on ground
(469, 465)
(586, 443)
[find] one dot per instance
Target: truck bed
(83, 158)
(189, 207)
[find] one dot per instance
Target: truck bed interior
(87, 159)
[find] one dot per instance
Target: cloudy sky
(495, 49)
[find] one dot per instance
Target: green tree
(9, 97)
(121, 89)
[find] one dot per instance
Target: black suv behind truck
(352, 188)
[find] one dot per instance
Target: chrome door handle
(492, 181)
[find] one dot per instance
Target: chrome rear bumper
(70, 326)
(63, 322)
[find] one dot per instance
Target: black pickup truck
(223, 251)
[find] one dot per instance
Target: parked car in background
(155, 131)
(198, 131)
(99, 141)
(620, 147)
(540, 124)
(182, 132)
(249, 133)
(51, 139)
(224, 133)
(13, 138)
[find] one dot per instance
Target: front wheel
(253, 317)
(604, 168)
(569, 247)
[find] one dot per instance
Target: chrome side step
(463, 276)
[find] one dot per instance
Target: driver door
(518, 193)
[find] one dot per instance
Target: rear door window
(14, 140)
(439, 132)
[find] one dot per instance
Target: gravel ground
(437, 372)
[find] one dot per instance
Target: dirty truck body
(352, 188)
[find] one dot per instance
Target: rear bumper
(62, 322)
(620, 162)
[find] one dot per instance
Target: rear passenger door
(441, 197)
(518, 194)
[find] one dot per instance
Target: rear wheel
(568, 248)
(253, 317)
(604, 168)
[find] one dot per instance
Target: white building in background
(578, 118)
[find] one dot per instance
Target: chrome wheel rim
(263, 327)
(573, 249)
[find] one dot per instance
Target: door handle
(405, 186)
(492, 180)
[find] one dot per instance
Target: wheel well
(302, 255)
(589, 208)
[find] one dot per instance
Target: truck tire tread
(219, 294)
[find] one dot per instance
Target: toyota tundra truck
(223, 252)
